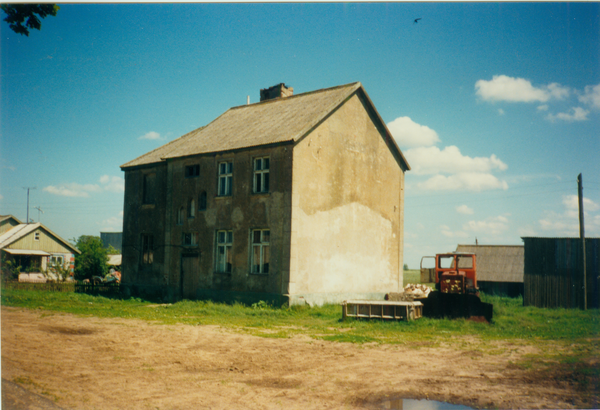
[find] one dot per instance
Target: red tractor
(457, 294)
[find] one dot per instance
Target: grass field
(569, 339)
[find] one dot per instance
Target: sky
(496, 106)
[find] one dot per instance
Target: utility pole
(28, 188)
(39, 209)
(582, 236)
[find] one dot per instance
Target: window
(191, 208)
(149, 188)
(147, 249)
(192, 171)
(57, 261)
(261, 175)
(224, 251)
(260, 250)
(180, 216)
(202, 201)
(190, 239)
(36, 236)
(225, 178)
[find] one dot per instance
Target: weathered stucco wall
(144, 219)
(347, 212)
(241, 212)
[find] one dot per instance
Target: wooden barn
(554, 272)
(499, 268)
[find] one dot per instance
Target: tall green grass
(511, 319)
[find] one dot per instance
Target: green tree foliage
(92, 260)
(10, 270)
(111, 250)
(17, 14)
(406, 266)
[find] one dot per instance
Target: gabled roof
(5, 217)
(22, 230)
(498, 263)
(272, 121)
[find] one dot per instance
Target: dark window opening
(192, 171)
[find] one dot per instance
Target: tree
(92, 260)
(405, 266)
(17, 14)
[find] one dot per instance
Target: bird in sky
(417, 20)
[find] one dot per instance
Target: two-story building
(296, 198)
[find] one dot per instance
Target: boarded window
(147, 249)
(260, 250)
(202, 201)
(224, 251)
(191, 208)
(149, 189)
(180, 216)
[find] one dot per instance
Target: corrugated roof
(497, 263)
(268, 122)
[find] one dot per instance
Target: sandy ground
(92, 363)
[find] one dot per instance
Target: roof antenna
(476, 243)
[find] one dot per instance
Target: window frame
(147, 249)
(36, 236)
(191, 208)
(193, 239)
(225, 242)
(227, 176)
(192, 171)
(57, 260)
(259, 176)
(261, 268)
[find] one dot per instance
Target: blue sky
(495, 105)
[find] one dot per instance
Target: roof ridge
(294, 96)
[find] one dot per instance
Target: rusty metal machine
(456, 294)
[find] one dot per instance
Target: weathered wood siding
(554, 274)
(47, 242)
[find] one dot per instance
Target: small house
(35, 248)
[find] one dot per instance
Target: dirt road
(92, 363)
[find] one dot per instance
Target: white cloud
(567, 223)
(72, 189)
(114, 223)
(408, 133)
(465, 210)
(447, 232)
(1, 197)
(468, 181)
(500, 111)
(543, 107)
(492, 225)
(432, 160)
(576, 114)
(112, 184)
(152, 135)
(591, 95)
(504, 88)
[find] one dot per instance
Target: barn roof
(273, 121)
(497, 263)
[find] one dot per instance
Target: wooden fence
(554, 273)
(89, 288)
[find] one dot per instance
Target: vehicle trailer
(456, 294)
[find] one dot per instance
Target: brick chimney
(277, 91)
